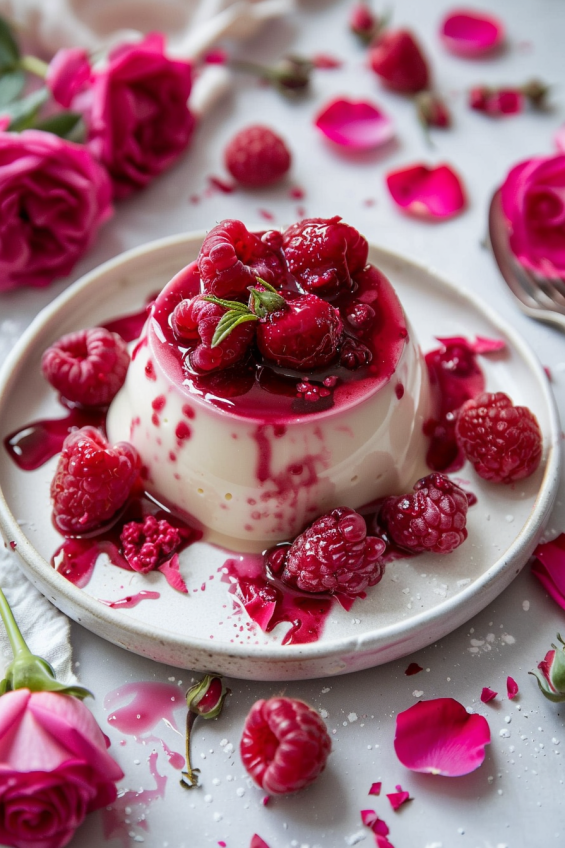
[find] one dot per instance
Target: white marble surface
(516, 798)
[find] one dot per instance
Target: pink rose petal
(484, 345)
(172, 574)
(549, 568)
(511, 688)
(375, 789)
(559, 139)
(398, 798)
(488, 695)
(440, 737)
(369, 818)
(326, 62)
(467, 32)
(413, 668)
(257, 842)
(357, 125)
(426, 191)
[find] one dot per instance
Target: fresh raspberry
(285, 745)
(197, 319)
(92, 480)
(398, 60)
(334, 554)
(303, 336)
(354, 354)
(256, 156)
(87, 367)
(231, 258)
(502, 441)
(432, 519)
(324, 253)
(148, 543)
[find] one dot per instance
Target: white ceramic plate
(418, 601)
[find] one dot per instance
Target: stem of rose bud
(17, 642)
(34, 66)
(191, 774)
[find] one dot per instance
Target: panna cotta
(257, 450)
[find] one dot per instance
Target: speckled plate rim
(439, 621)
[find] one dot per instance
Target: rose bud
(551, 674)
(432, 110)
(496, 101)
(363, 23)
(536, 92)
(290, 76)
(205, 699)
(398, 60)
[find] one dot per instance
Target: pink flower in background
(54, 768)
(53, 197)
(136, 113)
(533, 202)
(469, 33)
(69, 71)
(355, 124)
(426, 191)
(441, 737)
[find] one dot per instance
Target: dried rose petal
(427, 191)
(413, 668)
(440, 737)
(511, 688)
(375, 789)
(549, 568)
(467, 32)
(488, 695)
(398, 798)
(356, 124)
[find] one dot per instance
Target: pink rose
(54, 768)
(53, 198)
(136, 113)
(533, 201)
(67, 74)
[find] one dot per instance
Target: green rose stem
(28, 671)
(206, 699)
(34, 66)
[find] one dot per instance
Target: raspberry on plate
(92, 481)
(257, 156)
(231, 258)
(334, 554)
(285, 745)
(87, 367)
(304, 335)
(432, 519)
(324, 254)
(146, 544)
(197, 319)
(502, 441)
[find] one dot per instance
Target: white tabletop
(516, 798)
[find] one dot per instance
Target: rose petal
(488, 695)
(375, 789)
(549, 568)
(467, 32)
(511, 688)
(398, 798)
(427, 191)
(369, 818)
(413, 668)
(326, 62)
(483, 345)
(559, 139)
(257, 842)
(440, 737)
(172, 574)
(355, 124)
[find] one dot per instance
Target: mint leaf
(229, 322)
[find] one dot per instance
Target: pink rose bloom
(136, 113)
(54, 768)
(68, 72)
(53, 198)
(533, 201)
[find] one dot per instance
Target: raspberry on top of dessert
(276, 378)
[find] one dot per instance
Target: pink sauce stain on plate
(129, 808)
(137, 707)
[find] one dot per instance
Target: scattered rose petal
(511, 688)
(413, 668)
(398, 798)
(440, 737)
(172, 574)
(426, 191)
(547, 370)
(559, 139)
(488, 695)
(265, 800)
(549, 568)
(257, 842)
(356, 124)
(216, 56)
(222, 185)
(325, 62)
(483, 345)
(375, 789)
(369, 818)
(467, 32)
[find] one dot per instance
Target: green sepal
(62, 124)
(28, 671)
(556, 697)
(11, 85)
(9, 50)
(262, 303)
(197, 693)
(4, 686)
(233, 305)
(22, 113)
(229, 322)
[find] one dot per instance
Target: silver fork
(537, 297)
